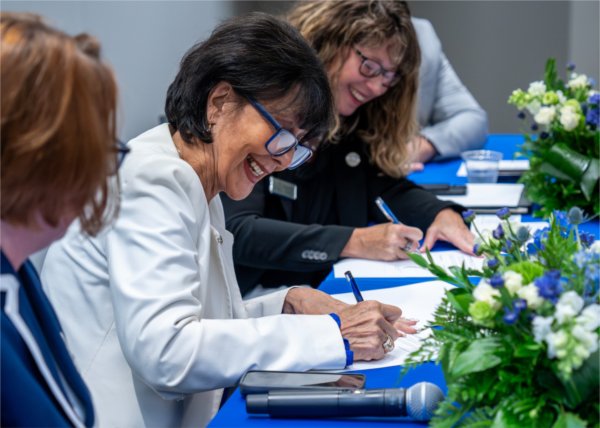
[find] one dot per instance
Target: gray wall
(495, 46)
(142, 40)
(498, 46)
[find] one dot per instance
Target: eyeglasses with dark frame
(371, 68)
(282, 141)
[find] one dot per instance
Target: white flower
(533, 107)
(537, 89)
(542, 327)
(568, 306)
(569, 118)
(531, 296)
(589, 318)
(557, 342)
(578, 81)
(595, 248)
(545, 115)
(486, 293)
(513, 281)
(588, 339)
(561, 97)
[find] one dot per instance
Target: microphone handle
(340, 403)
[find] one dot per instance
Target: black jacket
(283, 242)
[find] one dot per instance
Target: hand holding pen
(402, 325)
(389, 214)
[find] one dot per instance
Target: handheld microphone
(417, 402)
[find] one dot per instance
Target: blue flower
(468, 215)
(521, 115)
(562, 220)
(570, 66)
(534, 127)
(510, 316)
(503, 213)
(594, 99)
(549, 285)
(587, 239)
(493, 263)
(498, 232)
(477, 250)
(508, 246)
(520, 304)
(496, 279)
(539, 237)
(544, 135)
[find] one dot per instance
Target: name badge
(283, 188)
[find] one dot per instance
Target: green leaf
(460, 299)
(550, 76)
(584, 381)
(419, 260)
(569, 420)
(479, 356)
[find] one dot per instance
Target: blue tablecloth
(233, 413)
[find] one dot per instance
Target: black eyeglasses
(371, 68)
(282, 141)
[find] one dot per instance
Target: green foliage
(498, 373)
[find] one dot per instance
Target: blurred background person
(283, 237)
(450, 118)
(153, 312)
(58, 147)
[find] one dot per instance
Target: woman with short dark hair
(165, 326)
(58, 147)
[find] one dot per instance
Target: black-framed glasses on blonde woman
(371, 68)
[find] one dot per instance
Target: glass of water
(482, 165)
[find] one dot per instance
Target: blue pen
(355, 290)
(387, 212)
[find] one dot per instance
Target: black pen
(355, 290)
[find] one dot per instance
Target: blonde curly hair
(388, 123)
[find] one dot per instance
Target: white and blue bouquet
(518, 339)
(563, 146)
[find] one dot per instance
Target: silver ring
(388, 345)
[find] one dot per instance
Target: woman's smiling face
(352, 89)
(240, 133)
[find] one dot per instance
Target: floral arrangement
(564, 147)
(520, 349)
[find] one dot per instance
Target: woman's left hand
(449, 226)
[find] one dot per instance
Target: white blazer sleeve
(156, 260)
(450, 117)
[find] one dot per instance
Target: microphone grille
(422, 399)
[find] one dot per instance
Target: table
(233, 413)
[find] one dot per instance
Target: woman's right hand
(386, 241)
(367, 326)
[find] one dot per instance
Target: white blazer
(151, 308)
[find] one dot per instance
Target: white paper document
(362, 268)
(503, 165)
(418, 302)
(488, 195)
(491, 222)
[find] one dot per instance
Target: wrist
(427, 150)
(352, 247)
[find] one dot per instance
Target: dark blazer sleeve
(266, 239)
